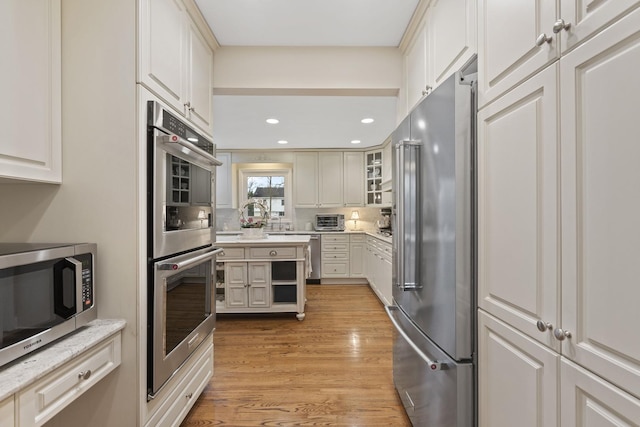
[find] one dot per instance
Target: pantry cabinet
(175, 62)
(30, 83)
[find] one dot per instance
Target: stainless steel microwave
(46, 291)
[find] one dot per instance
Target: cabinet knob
(561, 25)
(561, 334)
(84, 375)
(273, 253)
(189, 396)
(427, 90)
(222, 253)
(187, 104)
(542, 39)
(544, 326)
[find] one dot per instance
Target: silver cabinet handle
(188, 263)
(273, 253)
(84, 375)
(189, 396)
(544, 326)
(561, 25)
(561, 334)
(542, 39)
(427, 90)
(222, 253)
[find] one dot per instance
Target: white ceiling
(305, 121)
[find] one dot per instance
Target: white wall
(98, 200)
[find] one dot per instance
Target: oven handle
(175, 139)
(188, 263)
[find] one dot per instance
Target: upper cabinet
(353, 186)
(175, 61)
(30, 83)
(418, 80)
(223, 182)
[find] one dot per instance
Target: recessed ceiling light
(283, 142)
(356, 141)
(273, 121)
(367, 120)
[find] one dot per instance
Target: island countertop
(270, 240)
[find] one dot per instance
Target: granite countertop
(28, 369)
(236, 240)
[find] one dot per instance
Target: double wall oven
(181, 231)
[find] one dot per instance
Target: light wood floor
(332, 369)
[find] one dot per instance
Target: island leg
(300, 316)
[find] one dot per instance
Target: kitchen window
(271, 185)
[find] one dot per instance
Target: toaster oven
(329, 222)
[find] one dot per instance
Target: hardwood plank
(332, 369)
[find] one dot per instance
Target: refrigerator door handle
(434, 365)
(407, 210)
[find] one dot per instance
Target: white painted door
(236, 284)
(507, 50)
(30, 84)
(518, 212)
(305, 180)
(583, 18)
(259, 284)
(416, 66)
(223, 182)
(517, 378)
(452, 34)
(356, 259)
(601, 207)
(354, 178)
(589, 401)
(199, 82)
(330, 179)
(162, 59)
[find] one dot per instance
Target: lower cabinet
(379, 268)
(176, 405)
(38, 403)
(335, 256)
(357, 244)
(524, 383)
(6, 412)
(248, 284)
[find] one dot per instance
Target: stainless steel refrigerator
(433, 256)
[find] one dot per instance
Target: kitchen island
(262, 275)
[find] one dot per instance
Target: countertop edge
(30, 368)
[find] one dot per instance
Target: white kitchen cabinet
(517, 378)
(353, 186)
(7, 408)
(357, 243)
(378, 268)
(507, 50)
(330, 179)
(248, 284)
(319, 180)
(417, 77)
(334, 255)
(600, 211)
(585, 18)
(452, 33)
(224, 182)
(175, 62)
(30, 83)
(589, 401)
(305, 180)
(518, 209)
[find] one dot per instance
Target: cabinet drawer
(6, 411)
(275, 253)
(333, 238)
(332, 247)
(335, 269)
(186, 393)
(328, 256)
(47, 397)
(231, 253)
(358, 238)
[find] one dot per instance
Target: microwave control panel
(87, 280)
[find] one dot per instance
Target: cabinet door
(385, 282)
(223, 182)
(356, 259)
(507, 50)
(199, 82)
(236, 284)
(305, 180)
(330, 179)
(518, 213)
(580, 407)
(30, 84)
(416, 66)
(6, 411)
(600, 211)
(586, 17)
(517, 378)
(353, 178)
(452, 45)
(259, 284)
(162, 58)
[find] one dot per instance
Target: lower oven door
(182, 312)
(435, 390)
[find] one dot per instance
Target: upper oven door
(182, 185)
